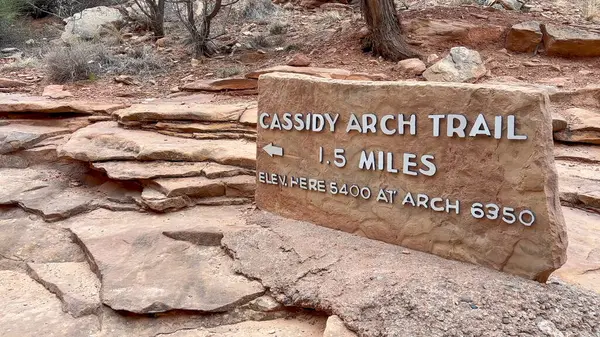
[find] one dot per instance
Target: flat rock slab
(579, 184)
(237, 186)
(578, 153)
(73, 283)
(249, 117)
(204, 127)
(441, 32)
(372, 286)
(568, 41)
(18, 104)
(10, 83)
(106, 141)
(583, 127)
(185, 112)
(470, 170)
(23, 240)
(14, 137)
(45, 192)
(28, 309)
(278, 327)
(223, 84)
(141, 170)
(588, 96)
(144, 271)
(334, 73)
(583, 255)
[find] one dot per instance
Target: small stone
(125, 79)
(299, 60)
(505, 320)
(461, 65)
(162, 42)
(265, 303)
(524, 37)
(413, 66)
(406, 252)
(335, 328)
(432, 58)
(56, 92)
(549, 329)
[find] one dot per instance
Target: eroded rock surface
(144, 271)
(14, 137)
(72, 282)
(177, 111)
(583, 262)
(577, 153)
(583, 127)
(28, 309)
(524, 37)
(578, 183)
(32, 105)
(335, 73)
(385, 290)
(461, 65)
(569, 41)
(224, 84)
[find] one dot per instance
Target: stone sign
(458, 170)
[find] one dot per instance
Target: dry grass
(87, 61)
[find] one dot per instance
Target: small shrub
(228, 72)
(256, 9)
(80, 61)
(86, 61)
(277, 28)
(260, 41)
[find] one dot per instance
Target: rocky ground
(126, 209)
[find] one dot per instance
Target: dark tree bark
(385, 34)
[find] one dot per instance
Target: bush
(10, 9)
(277, 28)
(256, 9)
(80, 61)
(86, 61)
(228, 72)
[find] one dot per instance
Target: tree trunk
(386, 37)
(159, 20)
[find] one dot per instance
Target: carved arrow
(273, 150)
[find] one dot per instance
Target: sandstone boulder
(224, 84)
(299, 60)
(583, 127)
(88, 24)
(524, 174)
(413, 67)
(570, 42)
(144, 271)
(185, 112)
(461, 65)
(106, 141)
(72, 282)
(524, 37)
(24, 300)
(340, 74)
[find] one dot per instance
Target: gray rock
(88, 23)
(549, 329)
(72, 282)
(265, 303)
(378, 291)
(159, 202)
(28, 309)
(461, 65)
